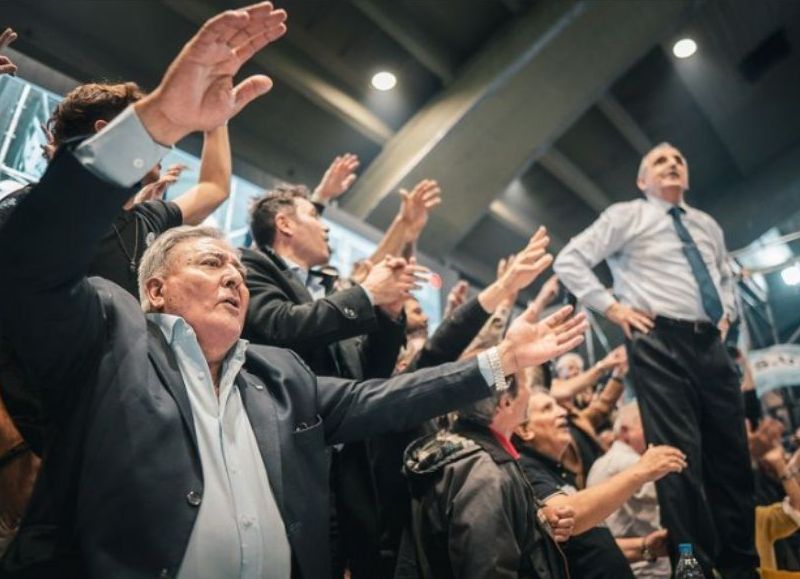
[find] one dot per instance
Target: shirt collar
(505, 443)
(300, 272)
(666, 205)
(176, 329)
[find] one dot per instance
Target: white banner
(775, 367)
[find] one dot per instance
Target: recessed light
(791, 274)
(384, 80)
(684, 48)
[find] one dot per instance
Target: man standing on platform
(673, 298)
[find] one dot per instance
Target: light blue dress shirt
(639, 241)
(239, 531)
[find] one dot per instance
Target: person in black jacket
(131, 484)
(474, 516)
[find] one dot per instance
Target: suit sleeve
(356, 410)
(482, 541)
(379, 349)
(49, 311)
(274, 319)
(452, 336)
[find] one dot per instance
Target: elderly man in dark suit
(177, 449)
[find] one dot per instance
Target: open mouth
(231, 301)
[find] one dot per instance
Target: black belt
(695, 327)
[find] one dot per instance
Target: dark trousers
(689, 396)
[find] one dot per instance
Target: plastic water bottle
(688, 567)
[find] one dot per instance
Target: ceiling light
(684, 48)
(791, 274)
(384, 80)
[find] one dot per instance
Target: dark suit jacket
(338, 335)
(117, 494)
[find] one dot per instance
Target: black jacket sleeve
(274, 318)
(49, 311)
(452, 336)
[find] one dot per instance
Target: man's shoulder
(258, 261)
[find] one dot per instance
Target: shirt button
(194, 498)
(164, 574)
(350, 313)
(247, 521)
(258, 386)
(138, 163)
(201, 376)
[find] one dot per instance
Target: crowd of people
(173, 406)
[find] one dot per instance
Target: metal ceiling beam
(401, 27)
(285, 68)
(625, 124)
(507, 107)
(521, 223)
(571, 176)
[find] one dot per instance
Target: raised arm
(410, 219)
(214, 184)
(48, 309)
(338, 178)
(594, 504)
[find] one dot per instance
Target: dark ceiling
(526, 111)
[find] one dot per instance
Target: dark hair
(84, 105)
(266, 208)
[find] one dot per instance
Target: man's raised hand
(339, 177)
(6, 66)
(197, 92)
(530, 343)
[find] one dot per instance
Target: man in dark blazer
(127, 475)
(350, 333)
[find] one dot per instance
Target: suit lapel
(261, 412)
(166, 366)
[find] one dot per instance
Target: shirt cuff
(123, 152)
(486, 369)
(791, 511)
(599, 301)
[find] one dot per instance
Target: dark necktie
(708, 293)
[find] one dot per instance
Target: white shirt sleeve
(123, 152)
(600, 240)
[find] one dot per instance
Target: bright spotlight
(684, 48)
(384, 80)
(791, 274)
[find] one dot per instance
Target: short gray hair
(156, 259)
(565, 359)
(643, 162)
(626, 415)
(483, 411)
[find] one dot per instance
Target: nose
(232, 278)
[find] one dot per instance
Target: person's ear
(284, 224)
(640, 182)
(99, 124)
(154, 292)
(524, 432)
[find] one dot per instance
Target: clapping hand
(197, 92)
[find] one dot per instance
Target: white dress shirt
(239, 531)
(639, 241)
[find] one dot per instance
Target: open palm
(537, 342)
(197, 92)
